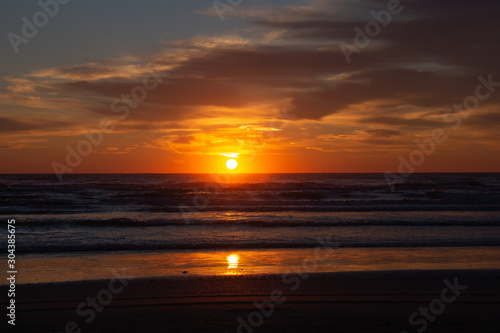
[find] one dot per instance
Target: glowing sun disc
(231, 164)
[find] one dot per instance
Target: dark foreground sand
(322, 302)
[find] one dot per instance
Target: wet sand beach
(377, 301)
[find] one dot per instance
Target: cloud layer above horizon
(277, 85)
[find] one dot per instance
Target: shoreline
(82, 266)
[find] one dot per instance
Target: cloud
(29, 124)
(268, 12)
(423, 31)
(125, 68)
(383, 133)
(398, 121)
(226, 86)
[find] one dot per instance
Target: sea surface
(109, 214)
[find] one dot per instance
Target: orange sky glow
(277, 94)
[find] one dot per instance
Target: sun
(231, 164)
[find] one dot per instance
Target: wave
(42, 194)
(125, 222)
(107, 248)
(30, 207)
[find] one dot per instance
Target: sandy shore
(468, 301)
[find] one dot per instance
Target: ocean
(101, 217)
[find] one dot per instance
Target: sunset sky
(268, 85)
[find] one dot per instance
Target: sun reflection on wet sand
(232, 264)
(233, 261)
(45, 268)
